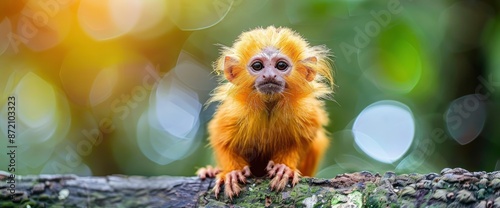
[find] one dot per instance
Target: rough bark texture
(451, 188)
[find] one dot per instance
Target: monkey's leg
(207, 172)
(234, 170)
(311, 159)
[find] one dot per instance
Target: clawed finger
(231, 187)
(295, 178)
(202, 173)
(282, 174)
(217, 186)
(279, 183)
(231, 182)
(240, 177)
(208, 172)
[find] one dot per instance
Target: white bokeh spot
(384, 130)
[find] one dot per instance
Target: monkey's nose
(270, 76)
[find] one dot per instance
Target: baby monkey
(271, 115)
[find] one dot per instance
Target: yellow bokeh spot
(36, 101)
(399, 60)
(103, 85)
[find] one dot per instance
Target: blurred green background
(119, 86)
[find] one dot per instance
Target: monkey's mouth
(270, 87)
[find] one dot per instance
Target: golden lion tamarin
(270, 118)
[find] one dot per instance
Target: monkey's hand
(230, 181)
(281, 174)
(208, 172)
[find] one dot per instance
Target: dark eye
(281, 65)
(257, 66)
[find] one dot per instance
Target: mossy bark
(451, 188)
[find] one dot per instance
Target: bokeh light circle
(166, 131)
(5, 34)
(42, 27)
(384, 130)
(193, 73)
(396, 71)
(103, 85)
(32, 89)
(465, 118)
(88, 79)
(106, 19)
(198, 15)
(153, 12)
(42, 118)
(160, 146)
(177, 107)
(125, 13)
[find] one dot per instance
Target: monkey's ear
(229, 63)
(310, 72)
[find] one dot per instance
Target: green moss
(315, 189)
(319, 205)
(495, 183)
(369, 187)
(395, 206)
(481, 194)
(407, 204)
(30, 203)
(45, 197)
(415, 177)
(437, 205)
(377, 200)
(354, 198)
(338, 199)
(97, 195)
(8, 204)
(293, 194)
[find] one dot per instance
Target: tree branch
(452, 187)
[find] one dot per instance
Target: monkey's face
(273, 63)
(269, 67)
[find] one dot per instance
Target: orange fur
(249, 131)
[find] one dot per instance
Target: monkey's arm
(228, 160)
(234, 169)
